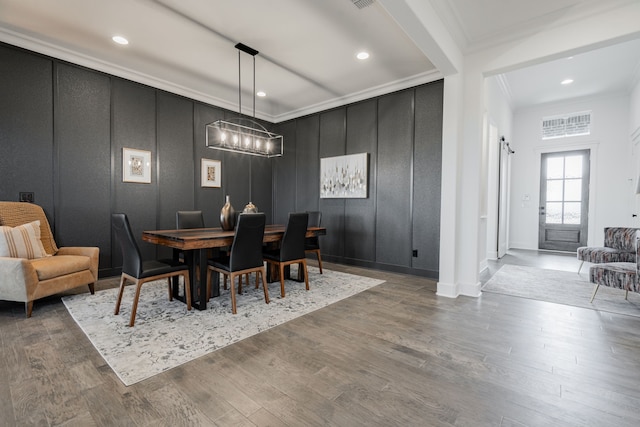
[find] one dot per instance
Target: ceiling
(307, 48)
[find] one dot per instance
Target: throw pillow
(22, 241)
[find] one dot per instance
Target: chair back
(131, 258)
(292, 246)
(189, 219)
(246, 250)
(315, 218)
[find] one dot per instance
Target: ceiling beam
(422, 24)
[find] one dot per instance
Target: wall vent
(573, 124)
(362, 3)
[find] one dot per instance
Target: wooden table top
(200, 238)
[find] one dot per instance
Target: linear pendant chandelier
(242, 134)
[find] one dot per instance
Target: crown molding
(36, 45)
(373, 92)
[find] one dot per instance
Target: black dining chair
(189, 219)
(312, 244)
(291, 250)
(244, 257)
(139, 271)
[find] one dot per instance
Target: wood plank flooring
(396, 355)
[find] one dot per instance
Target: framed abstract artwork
(344, 177)
(211, 173)
(136, 166)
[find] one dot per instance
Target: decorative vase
(250, 208)
(227, 216)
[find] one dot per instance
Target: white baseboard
(452, 290)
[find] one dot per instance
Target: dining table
(196, 243)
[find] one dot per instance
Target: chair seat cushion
(60, 265)
(621, 275)
(221, 262)
(156, 268)
(603, 254)
(273, 255)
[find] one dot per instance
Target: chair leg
(170, 293)
(28, 308)
(319, 260)
(120, 292)
(134, 308)
(594, 293)
(303, 264)
(264, 285)
(233, 292)
(187, 290)
(580, 268)
(281, 270)
(239, 283)
(92, 288)
(626, 294)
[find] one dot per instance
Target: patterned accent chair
(621, 275)
(619, 246)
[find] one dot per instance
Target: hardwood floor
(393, 355)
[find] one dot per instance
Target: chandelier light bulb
(235, 139)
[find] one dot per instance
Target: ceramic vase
(250, 208)
(227, 216)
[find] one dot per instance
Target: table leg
(202, 288)
(176, 279)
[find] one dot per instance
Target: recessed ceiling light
(362, 55)
(120, 40)
(261, 93)
(566, 82)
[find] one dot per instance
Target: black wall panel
(209, 200)
(236, 177)
(360, 214)
(284, 174)
(307, 163)
(394, 176)
(332, 143)
(26, 127)
(427, 174)
(83, 155)
(176, 171)
(133, 126)
(261, 185)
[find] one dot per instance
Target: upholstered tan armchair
(29, 270)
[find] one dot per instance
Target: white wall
(498, 113)
(612, 170)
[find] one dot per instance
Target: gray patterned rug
(561, 287)
(166, 335)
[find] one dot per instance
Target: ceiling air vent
(362, 3)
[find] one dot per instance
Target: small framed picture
(136, 166)
(211, 173)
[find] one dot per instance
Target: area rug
(166, 335)
(561, 287)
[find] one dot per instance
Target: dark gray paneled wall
(82, 136)
(62, 131)
(63, 128)
(26, 127)
(402, 133)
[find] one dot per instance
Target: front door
(564, 200)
